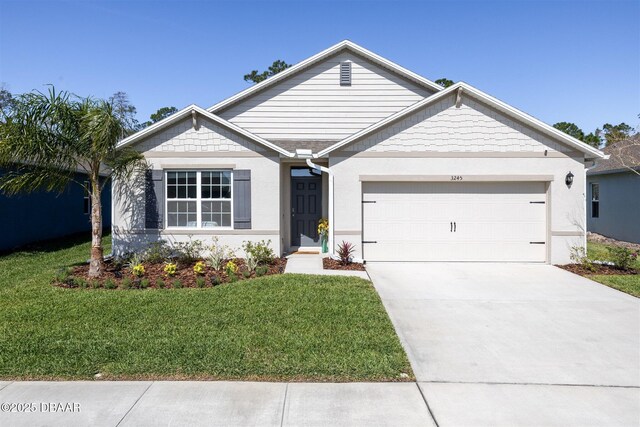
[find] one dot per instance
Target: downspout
(330, 173)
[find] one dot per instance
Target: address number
(456, 178)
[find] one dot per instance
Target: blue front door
(306, 208)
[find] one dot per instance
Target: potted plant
(323, 231)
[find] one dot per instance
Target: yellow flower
(138, 270)
(170, 268)
(199, 268)
(323, 227)
(231, 267)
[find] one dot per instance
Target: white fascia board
(318, 57)
(483, 97)
(186, 112)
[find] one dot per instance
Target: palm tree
(46, 139)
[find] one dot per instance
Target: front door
(306, 207)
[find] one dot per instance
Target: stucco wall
(619, 206)
(471, 140)
(208, 147)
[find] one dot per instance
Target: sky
(576, 61)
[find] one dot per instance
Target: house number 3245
(456, 178)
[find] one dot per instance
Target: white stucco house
(404, 169)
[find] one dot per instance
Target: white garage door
(442, 221)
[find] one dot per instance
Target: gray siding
(313, 105)
(619, 206)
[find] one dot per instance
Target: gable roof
(508, 110)
(302, 65)
(186, 112)
(623, 156)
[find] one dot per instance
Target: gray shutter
(154, 199)
(242, 199)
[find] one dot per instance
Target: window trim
(595, 200)
(198, 199)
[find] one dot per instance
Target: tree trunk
(96, 264)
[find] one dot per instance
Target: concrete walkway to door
(515, 344)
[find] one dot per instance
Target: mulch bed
(155, 272)
(599, 269)
(332, 264)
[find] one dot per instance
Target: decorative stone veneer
(442, 127)
(209, 137)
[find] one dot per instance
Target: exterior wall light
(569, 180)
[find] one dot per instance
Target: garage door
(442, 221)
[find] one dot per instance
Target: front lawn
(281, 327)
(625, 283)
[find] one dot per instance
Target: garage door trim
(456, 178)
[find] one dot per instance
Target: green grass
(625, 283)
(286, 327)
(599, 252)
(628, 284)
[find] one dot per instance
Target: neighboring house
(415, 171)
(42, 215)
(613, 192)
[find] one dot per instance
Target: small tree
(47, 138)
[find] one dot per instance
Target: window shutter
(345, 74)
(154, 199)
(242, 199)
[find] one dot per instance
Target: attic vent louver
(345, 74)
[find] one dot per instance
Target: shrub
(215, 280)
(199, 268)
(246, 273)
(260, 251)
(177, 284)
(62, 275)
(219, 253)
(345, 252)
(251, 262)
(200, 282)
(261, 270)
(109, 284)
(79, 282)
(160, 284)
(157, 252)
(95, 284)
(578, 255)
(188, 252)
(126, 283)
(621, 257)
(170, 268)
(233, 278)
(138, 270)
(144, 283)
(231, 268)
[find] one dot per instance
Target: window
(199, 199)
(86, 202)
(595, 200)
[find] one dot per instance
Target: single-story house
(403, 168)
(43, 215)
(613, 192)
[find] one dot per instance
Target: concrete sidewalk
(194, 403)
(312, 264)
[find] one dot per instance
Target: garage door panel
(493, 221)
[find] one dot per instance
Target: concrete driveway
(518, 344)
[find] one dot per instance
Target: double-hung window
(595, 200)
(199, 199)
